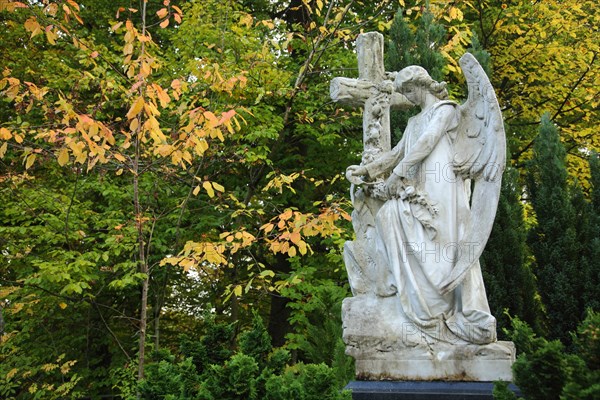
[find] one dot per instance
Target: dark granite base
(388, 390)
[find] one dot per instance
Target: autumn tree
(98, 123)
(545, 58)
(134, 131)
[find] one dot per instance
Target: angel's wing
(480, 154)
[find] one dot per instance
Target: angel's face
(413, 93)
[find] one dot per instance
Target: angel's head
(415, 77)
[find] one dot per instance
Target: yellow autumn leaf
(128, 48)
(201, 146)
(51, 9)
(11, 373)
(145, 69)
(66, 367)
(152, 125)
(29, 161)
(238, 290)
(62, 305)
(51, 36)
(116, 26)
(229, 127)
(162, 95)
(453, 12)
(5, 134)
(164, 150)
(287, 214)
(162, 13)
(292, 251)
(187, 264)
(295, 237)
(196, 190)
(176, 85)
(302, 248)
(49, 367)
(246, 20)
(208, 187)
(134, 125)
(3, 149)
(218, 187)
(267, 227)
(151, 109)
(33, 26)
(63, 156)
(136, 108)
(165, 23)
(74, 4)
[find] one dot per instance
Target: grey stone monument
(423, 212)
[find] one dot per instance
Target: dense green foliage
(544, 370)
(255, 370)
(563, 240)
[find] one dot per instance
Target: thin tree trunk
(279, 315)
(143, 262)
(1, 324)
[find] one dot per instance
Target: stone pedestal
(387, 347)
(368, 390)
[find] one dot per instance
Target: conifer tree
(420, 47)
(591, 238)
(554, 239)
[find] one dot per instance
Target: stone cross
(373, 90)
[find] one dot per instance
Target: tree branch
(568, 96)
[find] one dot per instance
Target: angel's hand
(354, 174)
(394, 185)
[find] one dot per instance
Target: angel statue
(422, 217)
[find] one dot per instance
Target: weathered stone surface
(388, 346)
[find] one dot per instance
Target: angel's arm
(387, 161)
(443, 120)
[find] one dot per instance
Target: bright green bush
(255, 371)
(545, 370)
